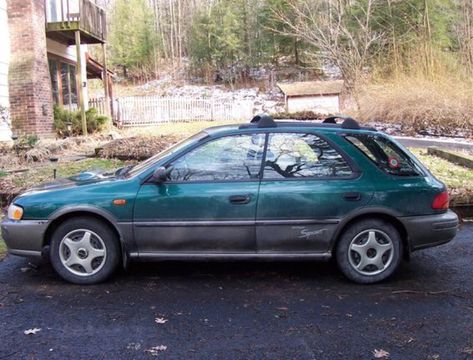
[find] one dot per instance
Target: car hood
(83, 178)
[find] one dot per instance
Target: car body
(263, 190)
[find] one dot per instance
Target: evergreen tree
(131, 39)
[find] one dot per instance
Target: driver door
(208, 204)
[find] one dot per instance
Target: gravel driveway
(243, 311)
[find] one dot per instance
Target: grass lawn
(3, 248)
(44, 172)
(183, 129)
(454, 176)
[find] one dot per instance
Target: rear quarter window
(385, 154)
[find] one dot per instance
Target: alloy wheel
(371, 252)
(82, 252)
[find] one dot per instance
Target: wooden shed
(317, 96)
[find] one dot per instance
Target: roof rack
(266, 121)
(263, 121)
(348, 122)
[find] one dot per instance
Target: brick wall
(31, 103)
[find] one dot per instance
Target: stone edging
(451, 156)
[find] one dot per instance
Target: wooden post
(105, 80)
(79, 82)
(62, 13)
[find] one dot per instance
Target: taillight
(441, 201)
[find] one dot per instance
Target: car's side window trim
(355, 170)
(263, 159)
(148, 181)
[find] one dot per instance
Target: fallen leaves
(133, 346)
(160, 320)
(137, 147)
(380, 354)
(155, 350)
(468, 350)
(29, 267)
(32, 331)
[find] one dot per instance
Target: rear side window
(294, 155)
(385, 154)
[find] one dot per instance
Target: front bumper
(430, 230)
(24, 237)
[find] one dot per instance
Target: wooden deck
(64, 17)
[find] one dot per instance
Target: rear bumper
(24, 237)
(430, 230)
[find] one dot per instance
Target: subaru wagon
(265, 190)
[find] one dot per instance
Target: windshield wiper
(124, 170)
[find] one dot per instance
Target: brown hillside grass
(443, 106)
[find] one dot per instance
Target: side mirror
(161, 174)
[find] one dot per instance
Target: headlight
(15, 212)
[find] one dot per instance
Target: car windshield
(136, 169)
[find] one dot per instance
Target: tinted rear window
(385, 154)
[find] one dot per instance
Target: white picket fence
(152, 110)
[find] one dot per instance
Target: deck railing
(77, 14)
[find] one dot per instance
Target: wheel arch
(374, 213)
(64, 214)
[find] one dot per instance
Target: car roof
(265, 122)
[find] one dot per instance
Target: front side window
(63, 83)
(69, 89)
(231, 158)
(385, 154)
(294, 155)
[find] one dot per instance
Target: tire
(84, 250)
(369, 251)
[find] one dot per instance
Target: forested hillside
(411, 48)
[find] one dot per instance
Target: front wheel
(369, 251)
(84, 250)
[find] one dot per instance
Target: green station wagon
(264, 190)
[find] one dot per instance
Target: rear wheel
(369, 251)
(84, 250)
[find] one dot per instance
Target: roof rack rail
(263, 121)
(348, 122)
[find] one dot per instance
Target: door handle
(352, 196)
(240, 199)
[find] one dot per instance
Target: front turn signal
(15, 212)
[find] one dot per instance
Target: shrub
(4, 114)
(95, 121)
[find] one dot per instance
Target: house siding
(318, 103)
(4, 53)
(5, 132)
(64, 51)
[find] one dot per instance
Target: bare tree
(339, 31)
(464, 31)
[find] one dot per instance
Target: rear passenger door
(308, 185)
